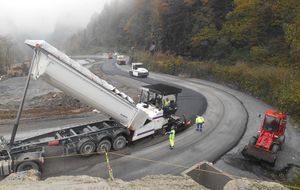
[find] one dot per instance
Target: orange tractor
(269, 139)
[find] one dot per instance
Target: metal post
(110, 172)
(13, 134)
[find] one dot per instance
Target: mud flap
(259, 154)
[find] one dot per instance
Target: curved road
(231, 119)
(232, 162)
(226, 119)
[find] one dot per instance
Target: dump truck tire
(104, 145)
(119, 143)
(28, 165)
(86, 147)
(275, 148)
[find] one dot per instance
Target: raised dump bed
(207, 175)
(57, 69)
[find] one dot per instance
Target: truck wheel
(86, 147)
(119, 143)
(252, 141)
(104, 145)
(273, 163)
(24, 166)
(275, 148)
(130, 73)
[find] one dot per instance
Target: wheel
(252, 141)
(104, 145)
(86, 147)
(275, 148)
(130, 73)
(28, 165)
(273, 163)
(119, 143)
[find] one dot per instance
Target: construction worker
(171, 137)
(166, 104)
(199, 123)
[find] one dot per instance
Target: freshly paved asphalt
(231, 119)
(226, 120)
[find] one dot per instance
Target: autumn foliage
(251, 44)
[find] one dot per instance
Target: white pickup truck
(137, 70)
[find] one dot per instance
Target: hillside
(251, 45)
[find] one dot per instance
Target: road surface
(231, 119)
(226, 119)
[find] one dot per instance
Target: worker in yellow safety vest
(166, 102)
(166, 105)
(199, 123)
(171, 137)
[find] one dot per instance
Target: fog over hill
(53, 20)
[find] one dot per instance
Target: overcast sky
(40, 16)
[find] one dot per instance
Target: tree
(6, 54)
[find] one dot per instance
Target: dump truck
(129, 121)
(269, 139)
(121, 60)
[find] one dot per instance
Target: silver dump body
(59, 70)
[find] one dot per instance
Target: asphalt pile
(50, 104)
(56, 99)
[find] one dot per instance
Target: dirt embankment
(43, 100)
(31, 180)
(50, 104)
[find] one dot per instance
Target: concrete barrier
(207, 175)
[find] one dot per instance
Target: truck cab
(269, 139)
(137, 70)
(5, 158)
(17, 160)
(271, 134)
(121, 60)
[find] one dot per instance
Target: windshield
(151, 98)
(147, 96)
(271, 123)
(137, 66)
